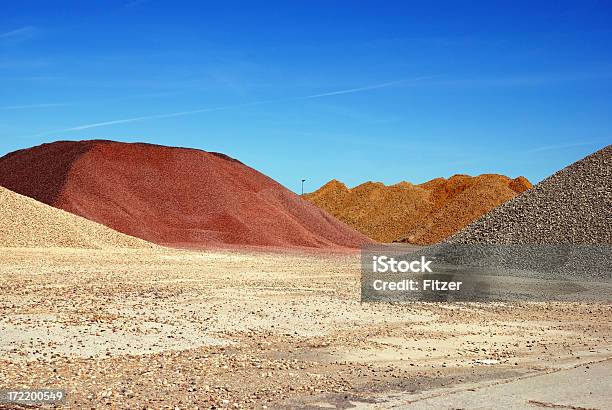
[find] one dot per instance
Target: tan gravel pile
(25, 222)
(419, 214)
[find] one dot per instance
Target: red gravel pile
(171, 196)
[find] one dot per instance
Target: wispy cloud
(152, 117)
(525, 80)
(556, 147)
(147, 117)
(228, 107)
(17, 35)
(19, 107)
(24, 64)
(64, 104)
(355, 90)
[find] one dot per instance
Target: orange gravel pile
(419, 214)
(27, 223)
(381, 212)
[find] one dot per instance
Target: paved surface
(582, 387)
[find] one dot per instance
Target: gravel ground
(175, 329)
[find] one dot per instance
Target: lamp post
(303, 180)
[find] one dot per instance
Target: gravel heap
(25, 222)
(416, 214)
(573, 206)
(561, 228)
(172, 196)
(381, 212)
(459, 201)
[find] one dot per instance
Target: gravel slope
(573, 206)
(172, 196)
(417, 214)
(25, 222)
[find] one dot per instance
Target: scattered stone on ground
(165, 328)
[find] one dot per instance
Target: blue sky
(355, 90)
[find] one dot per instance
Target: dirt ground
(179, 329)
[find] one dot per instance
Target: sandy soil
(178, 329)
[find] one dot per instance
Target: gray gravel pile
(573, 206)
(561, 227)
(563, 262)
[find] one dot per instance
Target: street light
(303, 180)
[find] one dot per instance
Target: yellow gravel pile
(27, 223)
